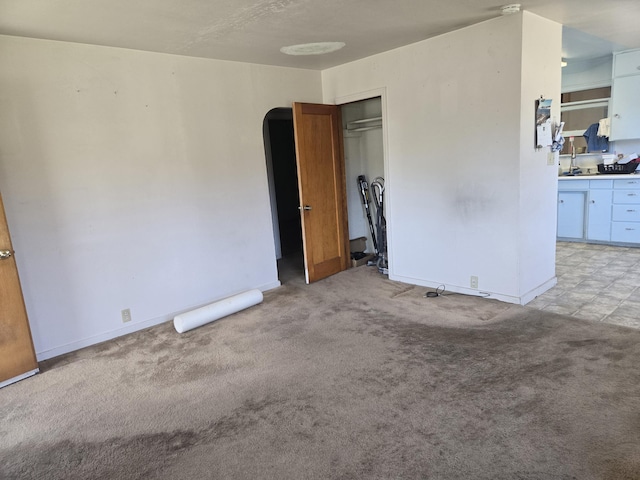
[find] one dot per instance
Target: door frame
(339, 101)
(388, 181)
(276, 113)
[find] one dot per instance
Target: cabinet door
(626, 232)
(626, 63)
(629, 183)
(571, 214)
(626, 197)
(626, 213)
(599, 215)
(625, 108)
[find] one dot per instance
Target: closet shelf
(364, 124)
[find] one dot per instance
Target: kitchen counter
(598, 176)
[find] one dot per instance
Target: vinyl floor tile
(595, 282)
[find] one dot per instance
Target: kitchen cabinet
(571, 214)
(625, 226)
(625, 119)
(605, 209)
(599, 214)
(625, 102)
(626, 63)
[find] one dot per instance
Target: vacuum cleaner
(377, 188)
(379, 231)
(364, 193)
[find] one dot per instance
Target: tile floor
(595, 282)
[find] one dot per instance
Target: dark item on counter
(618, 168)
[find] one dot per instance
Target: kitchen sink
(584, 174)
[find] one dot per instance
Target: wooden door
(17, 356)
(321, 182)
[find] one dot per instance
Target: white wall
(541, 76)
(626, 147)
(587, 73)
(454, 123)
(134, 180)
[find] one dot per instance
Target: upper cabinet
(625, 100)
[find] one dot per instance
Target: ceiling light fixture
(510, 9)
(318, 48)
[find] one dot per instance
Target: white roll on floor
(215, 311)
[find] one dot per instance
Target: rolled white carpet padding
(215, 311)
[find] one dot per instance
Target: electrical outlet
(551, 158)
(474, 282)
(126, 315)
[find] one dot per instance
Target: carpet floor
(353, 377)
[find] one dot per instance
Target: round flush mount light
(510, 9)
(318, 48)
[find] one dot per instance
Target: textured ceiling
(254, 30)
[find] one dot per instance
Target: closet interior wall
(363, 151)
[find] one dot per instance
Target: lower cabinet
(625, 232)
(599, 215)
(600, 210)
(571, 208)
(625, 227)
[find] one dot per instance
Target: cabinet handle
(617, 115)
(631, 194)
(630, 211)
(628, 228)
(561, 201)
(593, 201)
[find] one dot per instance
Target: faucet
(573, 153)
(573, 170)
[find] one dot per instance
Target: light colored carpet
(353, 377)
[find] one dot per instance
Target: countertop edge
(598, 177)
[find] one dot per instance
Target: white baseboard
(522, 300)
(133, 327)
(87, 342)
(527, 297)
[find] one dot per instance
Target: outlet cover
(126, 315)
(474, 282)
(551, 158)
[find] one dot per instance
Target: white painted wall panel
(541, 45)
(454, 107)
(587, 73)
(134, 180)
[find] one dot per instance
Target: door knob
(4, 254)
(306, 207)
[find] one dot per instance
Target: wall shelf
(364, 124)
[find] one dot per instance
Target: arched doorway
(280, 155)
